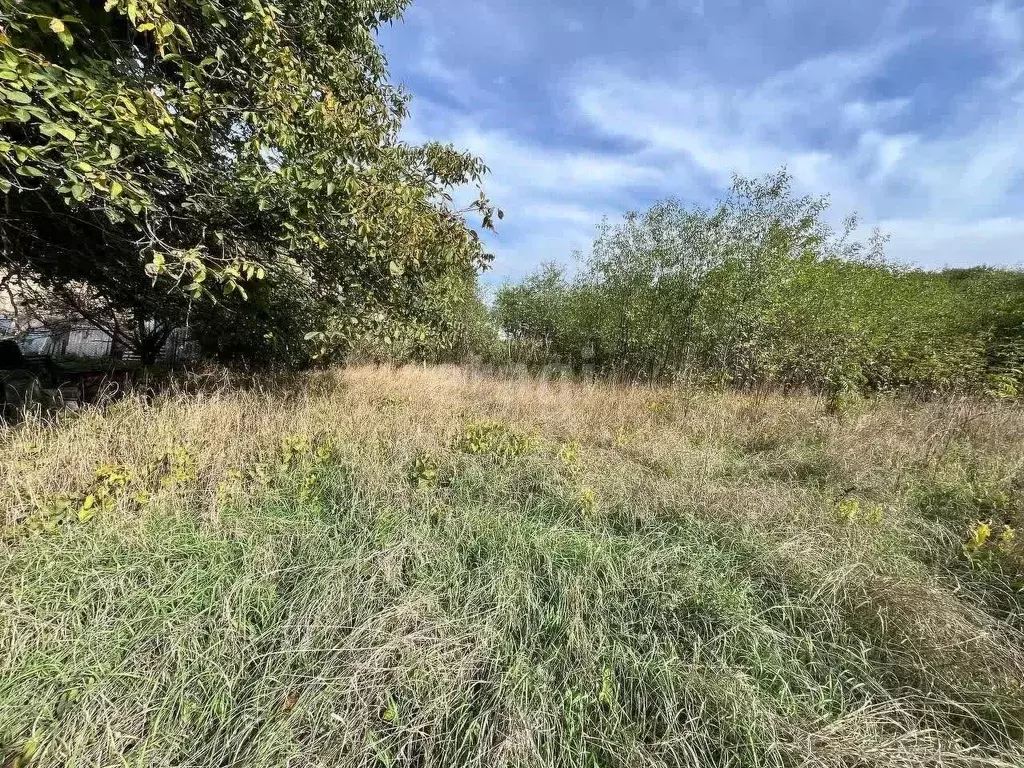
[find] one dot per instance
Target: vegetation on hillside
(380, 567)
(759, 290)
(230, 164)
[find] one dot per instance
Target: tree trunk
(151, 344)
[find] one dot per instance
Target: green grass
(707, 604)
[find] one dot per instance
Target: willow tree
(235, 162)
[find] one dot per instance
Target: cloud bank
(909, 113)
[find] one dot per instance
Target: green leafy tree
(534, 315)
(760, 290)
(235, 162)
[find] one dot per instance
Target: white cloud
(994, 242)
(1005, 29)
(524, 168)
(553, 198)
(751, 130)
(1005, 24)
(943, 188)
(942, 182)
(859, 114)
(529, 172)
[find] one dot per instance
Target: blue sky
(908, 112)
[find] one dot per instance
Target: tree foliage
(233, 162)
(759, 289)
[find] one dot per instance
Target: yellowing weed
(493, 437)
(849, 511)
(990, 543)
(588, 501)
(423, 472)
(108, 487)
(569, 454)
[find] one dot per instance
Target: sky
(908, 112)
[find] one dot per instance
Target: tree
(181, 158)
(760, 290)
(534, 315)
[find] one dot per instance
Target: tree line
(761, 290)
(236, 167)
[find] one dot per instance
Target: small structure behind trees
(71, 322)
(83, 340)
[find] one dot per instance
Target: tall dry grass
(434, 566)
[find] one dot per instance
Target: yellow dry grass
(732, 577)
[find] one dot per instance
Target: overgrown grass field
(430, 567)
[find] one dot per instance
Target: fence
(83, 340)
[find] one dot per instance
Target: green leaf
(184, 34)
(61, 30)
(116, 189)
(16, 96)
(167, 29)
(115, 151)
(396, 269)
(156, 266)
(88, 509)
(29, 750)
